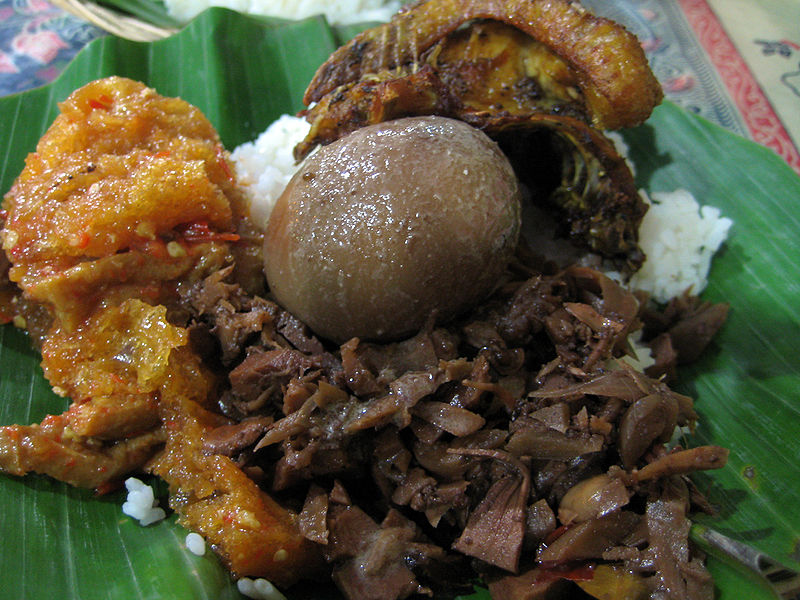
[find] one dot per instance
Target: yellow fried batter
(128, 197)
(253, 534)
(120, 191)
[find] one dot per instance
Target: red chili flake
(103, 102)
(84, 240)
(3, 214)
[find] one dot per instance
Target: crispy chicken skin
(609, 65)
(485, 71)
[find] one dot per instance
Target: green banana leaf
(243, 73)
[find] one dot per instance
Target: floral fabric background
(36, 41)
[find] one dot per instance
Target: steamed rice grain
(679, 238)
(195, 544)
(265, 166)
(260, 589)
(337, 11)
(141, 503)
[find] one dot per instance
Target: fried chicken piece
(495, 68)
(608, 64)
(484, 71)
(577, 171)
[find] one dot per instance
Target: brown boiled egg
(391, 224)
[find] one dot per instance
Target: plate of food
(445, 439)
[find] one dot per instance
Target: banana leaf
(243, 73)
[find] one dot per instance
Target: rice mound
(339, 12)
(265, 166)
(678, 236)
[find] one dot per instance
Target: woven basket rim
(114, 22)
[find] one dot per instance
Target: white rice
(337, 11)
(261, 589)
(141, 503)
(678, 236)
(195, 544)
(265, 166)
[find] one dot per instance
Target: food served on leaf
(498, 430)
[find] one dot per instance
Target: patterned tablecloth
(735, 62)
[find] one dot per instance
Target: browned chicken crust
(610, 66)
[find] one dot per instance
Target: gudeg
(393, 225)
